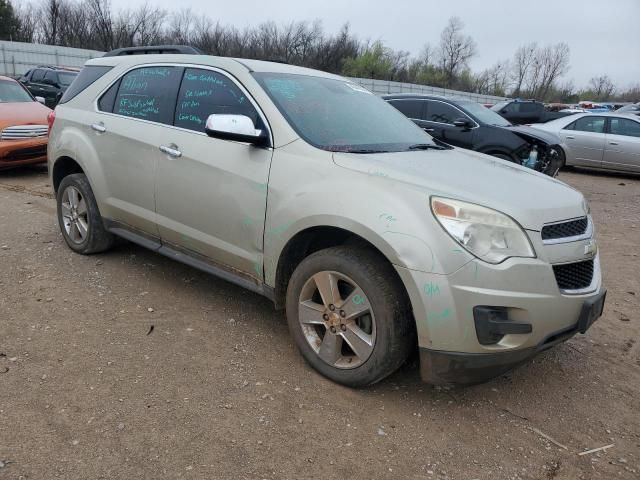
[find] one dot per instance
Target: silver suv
(306, 188)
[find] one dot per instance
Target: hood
(529, 197)
(528, 133)
(23, 113)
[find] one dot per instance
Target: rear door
(584, 141)
(439, 116)
(211, 193)
(134, 116)
(622, 148)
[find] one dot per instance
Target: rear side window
(38, 75)
(51, 76)
(149, 93)
(411, 108)
(205, 92)
(622, 126)
(86, 77)
(108, 99)
(528, 107)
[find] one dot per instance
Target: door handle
(99, 127)
(171, 150)
(429, 130)
(613, 143)
(570, 137)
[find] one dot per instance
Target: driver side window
(205, 92)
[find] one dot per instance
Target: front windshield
(340, 116)
(499, 106)
(484, 115)
(66, 78)
(12, 92)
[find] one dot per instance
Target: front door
(439, 116)
(622, 146)
(584, 141)
(211, 193)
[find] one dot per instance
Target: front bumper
(443, 307)
(14, 153)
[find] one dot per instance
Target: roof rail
(155, 49)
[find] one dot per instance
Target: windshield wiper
(364, 150)
(425, 146)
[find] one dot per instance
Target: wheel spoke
(355, 305)
(82, 228)
(360, 342)
(328, 287)
(310, 313)
(82, 207)
(330, 348)
(73, 197)
(65, 209)
(73, 232)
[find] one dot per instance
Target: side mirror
(463, 123)
(238, 128)
(40, 100)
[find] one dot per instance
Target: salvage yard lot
(127, 365)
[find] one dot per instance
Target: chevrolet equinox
(304, 187)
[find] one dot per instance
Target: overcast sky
(603, 35)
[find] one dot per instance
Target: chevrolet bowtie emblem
(591, 248)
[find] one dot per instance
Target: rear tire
(364, 329)
(79, 218)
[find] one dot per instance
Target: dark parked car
(467, 124)
(525, 111)
(48, 82)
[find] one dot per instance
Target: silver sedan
(599, 140)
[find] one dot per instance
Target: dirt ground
(127, 365)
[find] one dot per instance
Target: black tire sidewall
(386, 306)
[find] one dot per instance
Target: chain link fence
(17, 57)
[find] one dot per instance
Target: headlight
(488, 234)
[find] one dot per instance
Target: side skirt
(190, 258)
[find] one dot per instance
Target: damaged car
(470, 125)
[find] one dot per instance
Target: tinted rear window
(87, 76)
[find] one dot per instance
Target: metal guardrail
(18, 57)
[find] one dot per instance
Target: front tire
(349, 315)
(79, 218)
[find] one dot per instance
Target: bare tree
(50, 21)
(456, 49)
(602, 87)
(522, 62)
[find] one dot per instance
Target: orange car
(23, 126)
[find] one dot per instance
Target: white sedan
(605, 140)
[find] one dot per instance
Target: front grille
(21, 132)
(26, 153)
(574, 276)
(572, 228)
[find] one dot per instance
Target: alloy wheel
(75, 216)
(337, 319)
